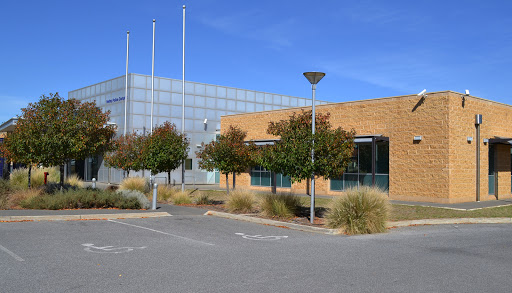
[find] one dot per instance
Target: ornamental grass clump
(240, 201)
(165, 192)
(360, 211)
(141, 198)
(135, 183)
(203, 199)
(73, 180)
(82, 199)
(283, 205)
(181, 197)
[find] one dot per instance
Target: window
(262, 177)
(188, 164)
(359, 170)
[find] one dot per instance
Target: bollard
(155, 190)
(45, 178)
(94, 183)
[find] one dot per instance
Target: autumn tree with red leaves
(165, 149)
(54, 130)
(228, 154)
(127, 153)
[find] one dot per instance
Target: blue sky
(368, 49)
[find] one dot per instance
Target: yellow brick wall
(440, 168)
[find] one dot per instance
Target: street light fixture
(314, 78)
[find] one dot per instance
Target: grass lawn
(402, 212)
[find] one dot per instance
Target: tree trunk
(127, 173)
(234, 180)
(29, 172)
(274, 182)
(227, 183)
(61, 176)
(169, 177)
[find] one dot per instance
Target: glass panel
(365, 158)
(211, 91)
(382, 158)
(350, 181)
(188, 164)
(217, 177)
(491, 184)
(240, 95)
(337, 184)
(255, 178)
(285, 181)
(365, 179)
(265, 178)
(278, 180)
(251, 96)
(231, 94)
(382, 182)
(352, 166)
(221, 92)
(491, 159)
(268, 99)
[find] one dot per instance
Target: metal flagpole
(126, 82)
(183, 104)
(152, 79)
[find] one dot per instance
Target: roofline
(372, 100)
(7, 124)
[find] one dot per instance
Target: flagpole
(126, 82)
(183, 104)
(153, 78)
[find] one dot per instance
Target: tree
(229, 154)
(291, 155)
(127, 153)
(55, 131)
(165, 149)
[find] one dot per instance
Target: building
(204, 105)
(431, 148)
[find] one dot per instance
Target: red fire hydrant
(45, 177)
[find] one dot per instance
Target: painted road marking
(89, 247)
(173, 235)
(260, 237)
(11, 253)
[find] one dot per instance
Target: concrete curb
(273, 223)
(451, 221)
(84, 217)
(390, 225)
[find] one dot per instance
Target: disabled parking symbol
(89, 247)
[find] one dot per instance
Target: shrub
(54, 187)
(73, 180)
(18, 196)
(165, 192)
(362, 211)
(203, 199)
(143, 200)
(280, 205)
(181, 197)
(82, 199)
(135, 183)
(240, 201)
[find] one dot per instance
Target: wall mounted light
(486, 140)
(417, 138)
(205, 120)
(470, 139)
(422, 94)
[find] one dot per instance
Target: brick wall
(439, 168)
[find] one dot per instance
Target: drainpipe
(478, 121)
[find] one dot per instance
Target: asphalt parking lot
(195, 253)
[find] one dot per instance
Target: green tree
(228, 154)
(127, 153)
(56, 130)
(165, 149)
(291, 155)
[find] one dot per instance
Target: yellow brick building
(417, 148)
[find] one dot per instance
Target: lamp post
(314, 78)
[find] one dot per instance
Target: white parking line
(11, 253)
(173, 235)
